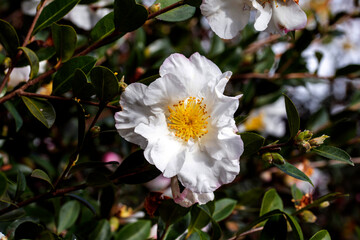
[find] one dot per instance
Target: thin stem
(274, 146)
(26, 40)
(247, 233)
(44, 196)
(166, 9)
(65, 99)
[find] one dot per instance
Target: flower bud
(95, 130)
(303, 136)
(122, 84)
(318, 141)
(308, 216)
(278, 159)
(324, 204)
(267, 157)
(155, 7)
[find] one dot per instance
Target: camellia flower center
(188, 119)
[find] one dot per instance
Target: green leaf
(105, 83)
(68, 214)
(13, 215)
(135, 169)
(81, 87)
(223, 208)
(54, 12)
(102, 231)
(252, 142)
(296, 193)
(198, 235)
(33, 60)
(321, 235)
(293, 171)
(89, 165)
(271, 201)
(296, 229)
(9, 38)
(103, 28)
(199, 219)
(128, 15)
(28, 230)
(317, 202)
(275, 228)
(63, 78)
(3, 184)
(97, 179)
(18, 119)
(41, 109)
(352, 69)
(21, 185)
(176, 15)
(81, 127)
(139, 230)
(333, 153)
(177, 212)
(293, 116)
(38, 173)
(83, 201)
(149, 80)
(64, 38)
(259, 220)
(209, 210)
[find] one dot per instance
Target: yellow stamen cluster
(188, 119)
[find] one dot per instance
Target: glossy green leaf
(321, 235)
(333, 153)
(9, 38)
(53, 12)
(13, 215)
(135, 169)
(68, 215)
(275, 228)
(178, 14)
(259, 220)
(177, 211)
(296, 193)
(82, 88)
(293, 116)
(139, 230)
(18, 119)
(128, 15)
(103, 28)
(83, 201)
(64, 38)
(199, 219)
(223, 208)
(33, 60)
(102, 231)
(177, 228)
(198, 235)
(296, 229)
(3, 184)
(271, 201)
(64, 76)
(252, 142)
(105, 83)
(149, 80)
(209, 209)
(317, 202)
(20, 185)
(38, 173)
(41, 109)
(28, 230)
(293, 171)
(97, 179)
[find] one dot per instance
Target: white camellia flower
(227, 18)
(184, 123)
(2, 236)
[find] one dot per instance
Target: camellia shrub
(168, 119)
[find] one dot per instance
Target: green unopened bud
(306, 145)
(324, 204)
(267, 157)
(155, 8)
(277, 158)
(122, 84)
(308, 216)
(95, 131)
(318, 141)
(303, 136)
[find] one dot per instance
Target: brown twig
(44, 196)
(274, 147)
(28, 94)
(166, 9)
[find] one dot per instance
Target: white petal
(163, 150)
(187, 198)
(263, 15)
(226, 18)
(202, 174)
(134, 112)
(288, 16)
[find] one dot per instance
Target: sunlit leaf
(103, 28)
(38, 173)
(33, 60)
(271, 201)
(293, 171)
(139, 230)
(223, 208)
(175, 15)
(321, 235)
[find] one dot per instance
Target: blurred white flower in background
(21, 74)
(2, 236)
(268, 119)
